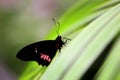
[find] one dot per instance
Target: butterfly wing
(42, 52)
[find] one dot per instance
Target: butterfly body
(42, 52)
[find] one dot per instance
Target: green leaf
(111, 68)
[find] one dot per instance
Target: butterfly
(42, 52)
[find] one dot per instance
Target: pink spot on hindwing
(45, 57)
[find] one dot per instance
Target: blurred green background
(23, 22)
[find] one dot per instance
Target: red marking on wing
(57, 46)
(45, 57)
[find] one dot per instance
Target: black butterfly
(42, 51)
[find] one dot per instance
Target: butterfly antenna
(57, 25)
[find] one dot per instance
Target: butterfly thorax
(58, 43)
